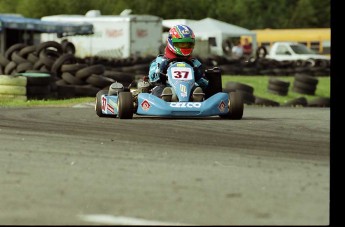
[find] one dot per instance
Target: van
(115, 36)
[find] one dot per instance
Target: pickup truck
(290, 51)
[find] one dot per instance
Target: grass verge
(259, 83)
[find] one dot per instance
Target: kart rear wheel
(98, 105)
(235, 106)
(125, 105)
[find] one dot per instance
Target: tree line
(250, 14)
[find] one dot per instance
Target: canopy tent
(18, 29)
(208, 27)
(37, 25)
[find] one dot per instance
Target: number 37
(181, 74)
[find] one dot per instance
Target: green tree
(251, 14)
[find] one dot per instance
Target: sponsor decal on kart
(145, 105)
(186, 104)
(111, 105)
(110, 108)
(183, 89)
(221, 106)
(104, 103)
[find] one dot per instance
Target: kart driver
(179, 44)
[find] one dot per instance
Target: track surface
(60, 163)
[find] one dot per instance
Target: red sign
(141, 33)
(221, 106)
(145, 105)
(113, 33)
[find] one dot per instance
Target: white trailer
(114, 36)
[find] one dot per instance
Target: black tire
(303, 91)
(248, 98)
(301, 101)
(304, 86)
(3, 61)
(236, 106)
(85, 90)
(70, 79)
(265, 102)
(49, 44)
(63, 59)
(277, 88)
(280, 83)
(24, 66)
(274, 89)
(120, 76)
(306, 78)
(68, 48)
(239, 86)
(99, 81)
(125, 105)
(65, 91)
(17, 58)
(13, 48)
(98, 105)
(27, 50)
(320, 102)
(10, 67)
(37, 79)
(32, 58)
(72, 68)
(37, 90)
(84, 73)
(47, 61)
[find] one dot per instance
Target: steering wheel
(170, 61)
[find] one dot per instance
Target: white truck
(119, 36)
(292, 51)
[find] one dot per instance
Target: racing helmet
(181, 40)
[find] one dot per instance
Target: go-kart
(123, 102)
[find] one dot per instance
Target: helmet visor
(184, 45)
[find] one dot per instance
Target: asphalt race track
(67, 166)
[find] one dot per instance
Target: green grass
(259, 83)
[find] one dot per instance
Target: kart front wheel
(98, 105)
(125, 105)
(235, 106)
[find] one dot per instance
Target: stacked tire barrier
(50, 70)
(68, 76)
(39, 85)
(13, 87)
(270, 67)
(246, 91)
(305, 84)
(278, 87)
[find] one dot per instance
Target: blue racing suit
(161, 63)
